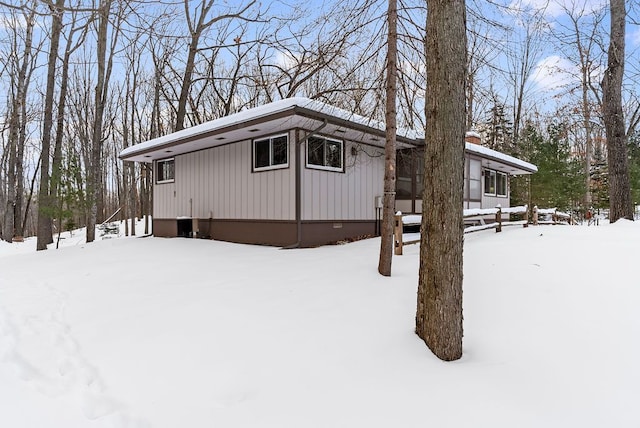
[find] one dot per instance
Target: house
(486, 176)
(295, 172)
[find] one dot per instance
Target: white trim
(269, 138)
(323, 167)
(171, 180)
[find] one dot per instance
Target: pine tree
(559, 181)
(634, 167)
(599, 182)
(530, 138)
(498, 129)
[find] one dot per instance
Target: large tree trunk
(388, 207)
(45, 233)
(619, 187)
(439, 309)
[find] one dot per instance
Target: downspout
(299, 183)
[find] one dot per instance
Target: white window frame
(271, 166)
(492, 174)
(475, 193)
(167, 180)
(496, 176)
(324, 167)
(506, 184)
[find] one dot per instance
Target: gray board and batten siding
(218, 187)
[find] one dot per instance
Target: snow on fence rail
(476, 215)
(556, 216)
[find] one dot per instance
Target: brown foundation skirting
(165, 228)
(266, 232)
(327, 232)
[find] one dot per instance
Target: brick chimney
(472, 137)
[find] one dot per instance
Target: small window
(324, 153)
(489, 182)
(165, 171)
(501, 184)
(271, 153)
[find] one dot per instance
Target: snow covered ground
(151, 332)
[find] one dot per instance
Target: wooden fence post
(499, 219)
(526, 216)
(397, 235)
(535, 215)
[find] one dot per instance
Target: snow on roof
(499, 156)
(303, 106)
(472, 134)
(260, 112)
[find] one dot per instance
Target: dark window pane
(315, 151)
(261, 153)
(160, 171)
(333, 151)
(279, 150)
(170, 169)
(165, 170)
(501, 184)
(489, 182)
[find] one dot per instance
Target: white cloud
(11, 22)
(554, 72)
(557, 8)
(286, 60)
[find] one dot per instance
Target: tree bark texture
(439, 308)
(389, 198)
(620, 204)
(45, 233)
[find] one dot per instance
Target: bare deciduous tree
(197, 25)
(17, 124)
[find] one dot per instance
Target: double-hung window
(165, 171)
(271, 153)
(325, 153)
